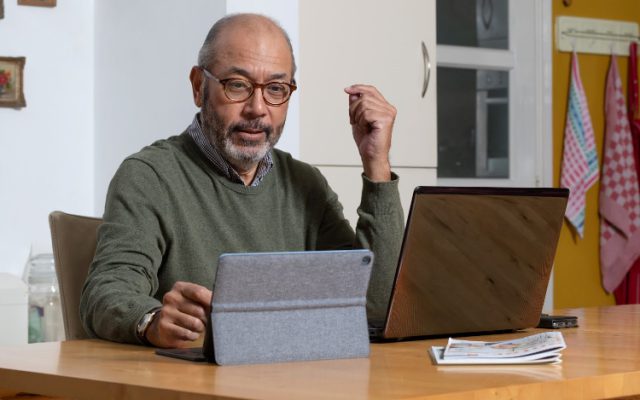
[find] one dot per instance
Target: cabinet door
(378, 43)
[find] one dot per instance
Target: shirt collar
(218, 162)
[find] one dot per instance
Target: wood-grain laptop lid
(475, 260)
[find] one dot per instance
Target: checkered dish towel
(579, 158)
(619, 197)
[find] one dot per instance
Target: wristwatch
(145, 323)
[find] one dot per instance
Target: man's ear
(197, 87)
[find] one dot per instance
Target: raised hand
(372, 119)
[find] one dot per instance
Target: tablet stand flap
(274, 307)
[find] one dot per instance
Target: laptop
(473, 260)
(286, 306)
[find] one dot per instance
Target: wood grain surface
(602, 361)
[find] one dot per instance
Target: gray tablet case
(290, 306)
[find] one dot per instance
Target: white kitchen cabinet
(388, 44)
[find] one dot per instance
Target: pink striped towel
(579, 158)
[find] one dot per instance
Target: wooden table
(602, 360)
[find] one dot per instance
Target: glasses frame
(254, 85)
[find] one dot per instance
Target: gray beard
(247, 154)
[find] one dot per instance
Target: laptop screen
(475, 260)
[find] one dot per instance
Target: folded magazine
(541, 348)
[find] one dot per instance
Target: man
(175, 206)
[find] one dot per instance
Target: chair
(74, 240)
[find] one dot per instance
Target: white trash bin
(14, 303)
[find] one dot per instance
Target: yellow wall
(577, 268)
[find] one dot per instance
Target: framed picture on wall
(39, 3)
(1, 9)
(11, 82)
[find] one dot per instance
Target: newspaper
(540, 348)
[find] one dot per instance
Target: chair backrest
(74, 240)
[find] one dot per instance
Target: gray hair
(206, 55)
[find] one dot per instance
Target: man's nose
(255, 105)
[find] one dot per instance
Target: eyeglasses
(237, 89)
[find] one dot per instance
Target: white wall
(102, 80)
(46, 158)
(144, 52)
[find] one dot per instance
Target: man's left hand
(372, 119)
(183, 316)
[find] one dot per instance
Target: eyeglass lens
(273, 92)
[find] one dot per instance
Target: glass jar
(45, 313)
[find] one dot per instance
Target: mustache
(253, 125)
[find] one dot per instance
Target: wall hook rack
(595, 36)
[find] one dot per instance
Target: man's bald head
(239, 23)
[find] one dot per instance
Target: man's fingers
(196, 293)
(365, 114)
(358, 107)
(361, 88)
(187, 299)
(183, 315)
(189, 307)
(174, 329)
(372, 118)
(367, 103)
(189, 325)
(175, 302)
(177, 330)
(165, 331)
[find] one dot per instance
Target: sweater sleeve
(123, 276)
(379, 228)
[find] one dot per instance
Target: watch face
(144, 323)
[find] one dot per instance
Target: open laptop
(473, 260)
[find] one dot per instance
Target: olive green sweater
(169, 215)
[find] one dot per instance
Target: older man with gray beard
(220, 186)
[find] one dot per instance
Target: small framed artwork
(11, 82)
(38, 3)
(1, 9)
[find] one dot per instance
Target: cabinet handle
(427, 69)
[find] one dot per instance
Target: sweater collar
(218, 162)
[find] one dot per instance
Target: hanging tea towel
(619, 197)
(579, 158)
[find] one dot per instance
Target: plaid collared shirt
(218, 162)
